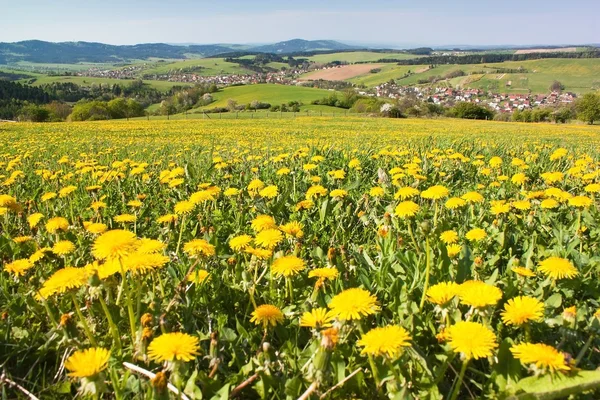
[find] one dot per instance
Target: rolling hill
(301, 45)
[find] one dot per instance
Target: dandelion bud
(147, 334)
(425, 227)
(65, 319)
(266, 347)
(478, 261)
(146, 319)
(159, 382)
(331, 254)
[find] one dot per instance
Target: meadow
(313, 258)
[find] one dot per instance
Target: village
(444, 96)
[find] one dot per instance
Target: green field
(356, 56)
(267, 93)
(89, 81)
(577, 75)
(210, 66)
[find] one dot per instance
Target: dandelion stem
(180, 234)
(461, 375)
(427, 273)
(113, 328)
(84, 324)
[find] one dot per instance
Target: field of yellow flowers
(299, 259)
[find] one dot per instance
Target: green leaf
(549, 387)
(507, 370)
(554, 301)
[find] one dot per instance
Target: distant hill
(301, 45)
(38, 51)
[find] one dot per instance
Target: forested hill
(74, 52)
(38, 51)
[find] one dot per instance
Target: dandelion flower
(442, 293)
(57, 224)
(96, 228)
(316, 318)
(293, 229)
(449, 237)
(19, 267)
(262, 222)
(435, 192)
(453, 250)
(473, 197)
(114, 244)
(287, 266)
(325, 273)
(406, 209)
(385, 341)
(64, 280)
(269, 238)
(315, 191)
(549, 204)
(523, 272)
(454, 203)
(476, 234)
(144, 262)
(269, 192)
(125, 218)
(544, 357)
(176, 346)
(197, 247)
(34, 219)
(184, 207)
(580, 201)
(557, 268)
(522, 309)
(239, 243)
(63, 248)
(266, 315)
(338, 193)
(167, 219)
(87, 363)
(147, 246)
(406, 193)
(471, 339)
(353, 303)
(198, 276)
(478, 294)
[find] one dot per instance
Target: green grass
(211, 66)
(355, 56)
(388, 71)
(89, 81)
(267, 93)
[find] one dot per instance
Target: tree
(556, 86)
(90, 111)
(59, 111)
(470, 111)
(34, 113)
(231, 104)
(588, 108)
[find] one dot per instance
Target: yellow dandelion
(34, 219)
(197, 247)
(268, 238)
(316, 318)
(184, 207)
(544, 357)
(64, 280)
(63, 247)
(478, 294)
(198, 277)
(114, 244)
(476, 234)
(384, 341)
(262, 222)
(57, 224)
(269, 192)
(406, 209)
(454, 203)
(453, 250)
(241, 242)
(435, 192)
(176, 346)
(442, 293)
(449, 237)
(293, 229)
(87, 363)
(522, 309)
(522, 271)
(18, 267)
(471, 339)
(353, 303)
(266, 315)
(557, 268)
(287, 266)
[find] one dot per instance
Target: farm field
(577, 75)
(88, 81)
(266, 93)
(344, 72)
(330, 258)
(210, 66)
(358, 56)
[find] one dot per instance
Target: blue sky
(432, 22)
